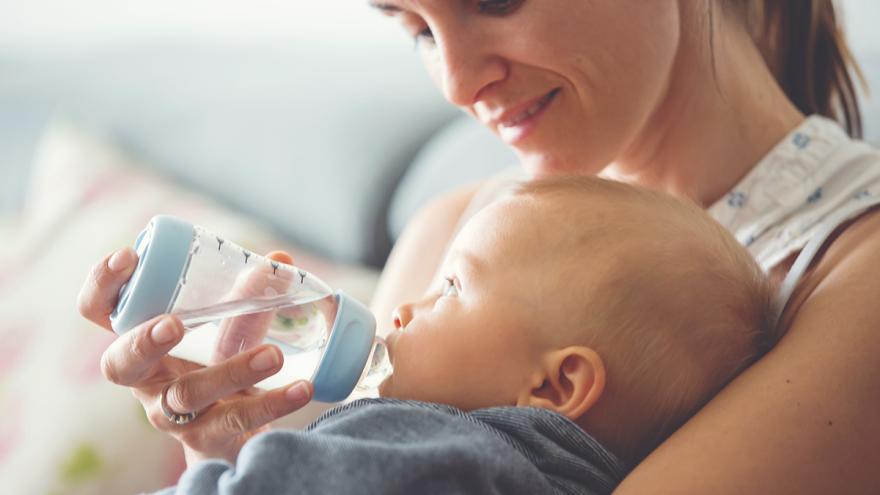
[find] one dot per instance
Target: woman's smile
(515, 124)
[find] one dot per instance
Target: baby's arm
(371, 448)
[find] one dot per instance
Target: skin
(510, 326)
(442, 347)
(489, 336)
(232, 410)
(799, 421)
(636, 85)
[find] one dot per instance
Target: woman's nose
(465, 69)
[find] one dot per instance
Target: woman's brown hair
(805, 48)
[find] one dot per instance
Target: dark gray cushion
(311, 140)
(870, 64)
(464, 151)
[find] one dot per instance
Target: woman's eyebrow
(385, 8)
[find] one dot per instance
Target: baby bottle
(231, 299)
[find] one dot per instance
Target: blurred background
(284, 124)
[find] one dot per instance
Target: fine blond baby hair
(682, 306)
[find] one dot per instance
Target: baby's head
(620, 308)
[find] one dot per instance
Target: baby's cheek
(413, 379)
(405, 370)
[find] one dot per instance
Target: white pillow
(65, 429)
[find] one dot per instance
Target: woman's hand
(230, 409)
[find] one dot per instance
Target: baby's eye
(449, 288)
(425, 35)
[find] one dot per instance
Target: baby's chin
(386, 388)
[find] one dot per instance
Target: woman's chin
(541, 166)
(538, 167)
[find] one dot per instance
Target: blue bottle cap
(351, 341)
(163, 251)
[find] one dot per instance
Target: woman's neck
(711, 128)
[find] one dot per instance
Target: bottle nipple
(378, 366)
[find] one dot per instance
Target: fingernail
(165, 331)
(120, 260)
(298, 393)
(264, 361)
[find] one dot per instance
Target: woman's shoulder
(441, 216)
(845, 267)
(456, 206)
(492, 189)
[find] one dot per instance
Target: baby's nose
(402, 316)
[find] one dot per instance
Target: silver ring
(176, 418)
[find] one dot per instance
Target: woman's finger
(135, 353)
(282, 256)
(249, 413)
(198, 389)
(99, 293)
(246, 331)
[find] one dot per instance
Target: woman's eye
(490, 7)
(449, 288)
(497, 6)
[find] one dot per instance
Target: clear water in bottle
(231, 299)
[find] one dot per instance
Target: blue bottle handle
(347, 352)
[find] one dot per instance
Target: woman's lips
(516, 127)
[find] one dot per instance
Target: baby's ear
(571, 382)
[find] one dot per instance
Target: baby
(578, 323)
(623, 309)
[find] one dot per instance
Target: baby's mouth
(390, 342)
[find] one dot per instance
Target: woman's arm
(419, 252)
(803, 420)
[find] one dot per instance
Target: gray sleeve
(373, 449)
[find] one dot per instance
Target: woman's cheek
(424, 352)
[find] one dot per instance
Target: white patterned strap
(828, 227)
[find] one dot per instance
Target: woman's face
(569, 84)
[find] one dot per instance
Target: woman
(704, 99)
